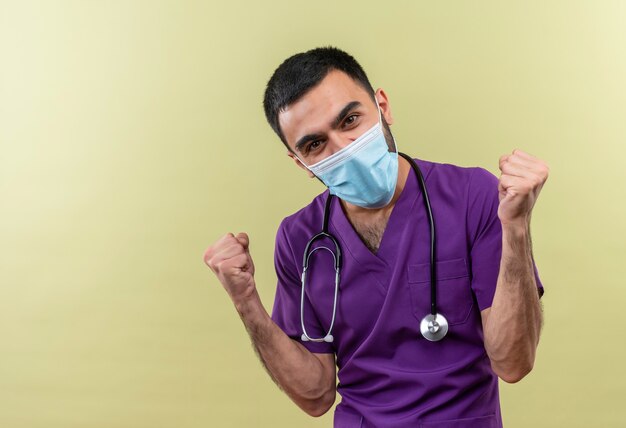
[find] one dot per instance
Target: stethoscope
(433, 326)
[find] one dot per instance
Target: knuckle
(226, 238)
(208, 254)
(235, 248)
(220, 266)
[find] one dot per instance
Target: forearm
(292, 367)
(514, 323)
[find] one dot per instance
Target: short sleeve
(286, 310)
(485, 236)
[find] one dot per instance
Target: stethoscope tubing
(431, 222)
(433, 326)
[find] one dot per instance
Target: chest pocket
(454, 294)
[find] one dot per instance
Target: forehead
(314, 111)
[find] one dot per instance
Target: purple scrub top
(389, 375)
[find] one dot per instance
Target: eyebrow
(334, 124)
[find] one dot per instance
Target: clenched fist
(522, 178)
(229, 258)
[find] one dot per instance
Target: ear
(297, 161)
(385, 107)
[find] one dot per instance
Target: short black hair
(300, 73)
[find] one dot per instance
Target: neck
(403, 172)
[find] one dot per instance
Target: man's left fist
(522, 178)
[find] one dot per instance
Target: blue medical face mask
(363, 173)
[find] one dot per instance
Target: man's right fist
(229, 258)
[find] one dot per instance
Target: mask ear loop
(380, 120)
(309, 169)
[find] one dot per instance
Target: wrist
(247, 303)
(255, 318)
(516, 228)
(516, 242)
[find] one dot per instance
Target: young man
(395, 368)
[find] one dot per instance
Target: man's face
(329, 117)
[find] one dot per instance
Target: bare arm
(513, 323)
(307, 378)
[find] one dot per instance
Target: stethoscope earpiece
(328, 338)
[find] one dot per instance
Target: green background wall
(132, 137)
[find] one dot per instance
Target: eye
(350, 120)
(313, 145)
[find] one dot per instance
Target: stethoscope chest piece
(434, 328)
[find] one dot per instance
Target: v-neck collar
(383, 261)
